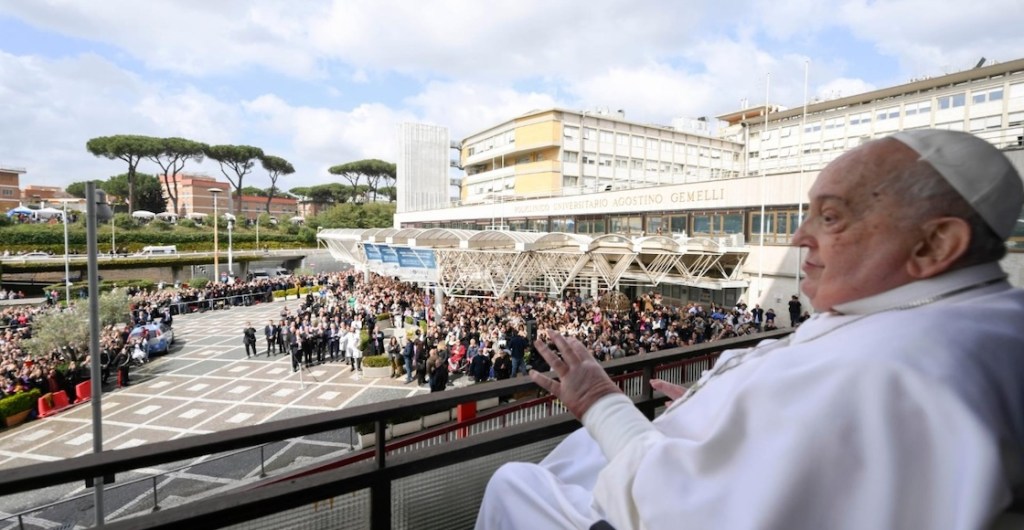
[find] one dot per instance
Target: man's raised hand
(581, 380)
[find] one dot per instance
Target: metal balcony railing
(431, 480)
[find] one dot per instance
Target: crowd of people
(483, 339)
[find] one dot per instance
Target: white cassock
(877, 418)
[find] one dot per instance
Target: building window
(589, 158)
(952, 101)
(571, 132)
(571, 156)
(606, 137)
(588, 133)
(8, 193)
(717, 224)
(779, 226)
(996, 94)
(860, 117)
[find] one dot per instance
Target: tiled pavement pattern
(204, 384)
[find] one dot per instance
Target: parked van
(158, 250)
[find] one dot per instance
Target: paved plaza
(205, 384)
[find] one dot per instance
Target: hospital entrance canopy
(497, 263)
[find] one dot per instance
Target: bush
(376, 361)
(20, 402)
(199, 283)
(279, 295)
(383, 316)
(364, 340)
(186, 223)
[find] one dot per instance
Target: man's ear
(943, 241)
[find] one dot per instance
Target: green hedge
(50, 237)
(383, 316)
(20, 402)
(376, 361)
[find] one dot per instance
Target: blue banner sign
(426, 258)
(372, 252)
(387, 254)
(407, 258)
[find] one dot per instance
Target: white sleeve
(868, 447)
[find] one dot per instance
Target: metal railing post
(156, 499)
(380, 491)
(263, 470)
(647, 391)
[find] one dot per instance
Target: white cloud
(932, 39)
(194, 37)
(466, 108)
(320, 137)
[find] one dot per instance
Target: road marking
(239, 369)
(80, 439)
(191, 413)
(329, 395)
(275, 371)
(35, 435)
(134, 442)
(147, 410)
(284, 392)
(238, 390)
(160, 384)
(239, 418)
(197, 387)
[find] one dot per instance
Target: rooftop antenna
(981, 62)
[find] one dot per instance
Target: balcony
(404, 484)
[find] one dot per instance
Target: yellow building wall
(533, 133)
(537, 178)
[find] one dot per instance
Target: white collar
(944, 285)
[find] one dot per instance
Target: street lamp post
(231, 260)
(216, 245)
(257, 232)
(67, 261)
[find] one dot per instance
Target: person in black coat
(439, 378)
(249, 339)
(269, 331)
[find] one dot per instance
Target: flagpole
(800, 189)
(764, 190)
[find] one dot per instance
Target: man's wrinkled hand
(581, 380)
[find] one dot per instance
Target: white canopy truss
(492, 263)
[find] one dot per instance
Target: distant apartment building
(10, 186)
(194, 196)
(558, 152)
(34, 194)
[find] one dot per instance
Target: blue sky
(325, 82)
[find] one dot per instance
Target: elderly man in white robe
(900, 404)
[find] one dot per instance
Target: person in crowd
(270, 333)
(394, 351)
(795, 307)
(517, 344)
(910, 376)
(249, 339)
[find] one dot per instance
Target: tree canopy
(372, 169)
(130, 148)
(171, 154)
(276, 168)
(148, 191)
(240, 159)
